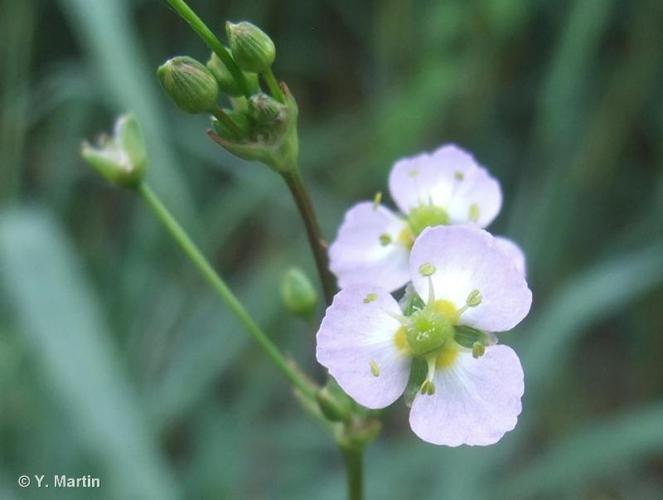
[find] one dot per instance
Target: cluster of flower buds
(250, 124)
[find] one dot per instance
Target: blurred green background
(117, 361)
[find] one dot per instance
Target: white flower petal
(358, 256)
(356, 337)
(477, 199)
(466, 258)
(513, 251)
(449, 178)
(476, 401)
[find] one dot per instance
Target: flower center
(425, 216)
(428, 330)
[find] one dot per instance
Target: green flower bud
(243, 124)
(265, 109)
(334, 404)
(189, 84)
(228, 84)
(120, 159)
(298, 294)
(252, 49)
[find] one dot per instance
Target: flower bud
(251, 47)
(226, 81)
(120, 159)
(298, 294)
(265, 109)
(242, 121)
(189, 84)
(334, 404)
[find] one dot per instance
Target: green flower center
(428, 330)
(425, 216)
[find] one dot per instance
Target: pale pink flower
(469, 288)
(444, 187)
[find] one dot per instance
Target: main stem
(207, 271)
(295, 183)
(354, 459)
(201, 29)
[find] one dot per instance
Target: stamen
(458, 175)
(401, 319)
(371, 297)
(385, 239)
(478, 350)
(375, 369)
(474, 298)
(428, 387)
(474, 212)
(427, 269)
(431, 292)
(377, 199)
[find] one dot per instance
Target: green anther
(375, 369)
(385, 239)
(474, 212)
(426, 216)
(478, 350)
(458, 175)
(427, 388)
(427, 269)
(377, 199)
(474, 298)
(427, 331)
(371, 297)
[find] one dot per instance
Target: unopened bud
(242, 124)
(334, 404)
(265, 109)
(299, 296)
(122, 158)
(227, 83)
(251, 47)
(189, 84)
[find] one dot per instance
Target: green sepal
(418, 373)
(411, 301)
(298, 293)
(467, 336)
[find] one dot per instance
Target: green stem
(197, 24)
(200, 262)
(273, 85)
(318, 246)
(354, 466)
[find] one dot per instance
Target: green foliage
(116, 360)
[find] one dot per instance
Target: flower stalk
(201, 29)
(293, 179)
(305, 386)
